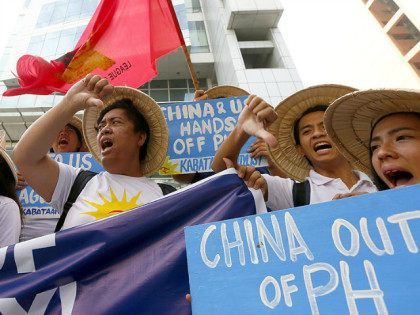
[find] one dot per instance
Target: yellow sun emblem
(113, 206)
(168, 168)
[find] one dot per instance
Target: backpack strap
(301, 193)
(79, 183)
(166, 188)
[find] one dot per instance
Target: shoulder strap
(166, 188)
(301, 193)
(79, 183)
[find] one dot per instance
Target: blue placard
(358, 254)
(196, 131)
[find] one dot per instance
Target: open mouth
(106, 143)
(63, 141)
(322, 146)
(398, 178)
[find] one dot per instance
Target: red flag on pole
(122, 42)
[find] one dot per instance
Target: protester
(129, 137)
(10, 209)
(379, 130)
(70, 138)
(299, 147)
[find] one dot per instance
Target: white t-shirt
(10, 223)
(280, 190)
(38, 227)
(104, 195)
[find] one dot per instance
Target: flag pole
(191, 68)
(184, 47)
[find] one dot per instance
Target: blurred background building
(268, 47)
(400, 20)
(231, 43)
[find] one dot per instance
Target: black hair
(313, 109)
(140, 123)
(379, 183)
(8, 183)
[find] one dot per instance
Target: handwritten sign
(352, 256)
(35, 208)
(196, 131)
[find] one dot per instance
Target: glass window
(180, 12)
(49, 48)
(65, 10)
(159, 84)
(79, 32)
(178, 94)
(89, 7)
(178, 83)
(193, 6)
(189, 97)
(404, 34)
(198, 37)
(45, 14)
(35, 45)
(159, 95)
(59, 12)
(202, 83)
(66, 41)
(145, 86)
(74, 9)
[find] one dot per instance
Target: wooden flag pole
(191, 67)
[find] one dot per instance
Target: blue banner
(196, 131)
(35, 208)
(352, 256)
(132, 263)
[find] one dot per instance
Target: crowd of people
(322, 143)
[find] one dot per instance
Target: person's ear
(142, 138)
(300, 150)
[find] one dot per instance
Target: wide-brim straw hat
(76, 122)
(350, 119)
(224, 91)
(5, 156)
(157, 145)
(286, 156)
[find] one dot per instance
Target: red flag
(122, 42)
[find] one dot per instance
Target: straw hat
(349, 120)
(285, 155)
(5, 156)
(224, 91)
(159, 135)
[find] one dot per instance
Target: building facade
(231, 42)
(400, 20)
